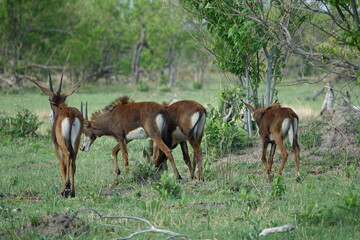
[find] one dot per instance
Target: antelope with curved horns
(126, 120)
(186, 123)
(275, 123)
(66, 132)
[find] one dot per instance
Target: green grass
(235, 201)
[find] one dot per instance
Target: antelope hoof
(65, 193)
(72, 194)
(179, 177)
(298, 179)
(270, 176)
(117, 172)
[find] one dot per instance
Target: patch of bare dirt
(25, 197)
(56, 225)
(339, 131)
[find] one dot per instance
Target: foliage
(277, 187)
(197, 85)
(143, 86)
(221, 137)
(349, 202)
(24, 124)
(310, 138)
(143, 172)
(167, 186)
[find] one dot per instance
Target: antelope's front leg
(115, 151)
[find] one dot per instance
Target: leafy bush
(197, 85)
(143, 172)
(24, 124)
(278, 188)
(221, 137)
(143, 87)
(311, 137)
(349, 202)
(168, 186)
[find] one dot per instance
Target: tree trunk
(247, 111)
(135, 65)
(269, 76)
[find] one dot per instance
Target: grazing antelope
(125, 121)
(275, 124)
(186, 123)
(66, 132)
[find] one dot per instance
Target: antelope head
(57, 99)
(88, 134)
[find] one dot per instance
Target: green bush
(168, 186)
(141, 173)
(24, 124)
(143, 87)
(221, 137)
(278, 188)
(311, 137)
(197, 85)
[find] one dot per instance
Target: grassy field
(235, 202)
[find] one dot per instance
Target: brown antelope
(186, 123)
(66, 133)
(275, 124)
(125, 121)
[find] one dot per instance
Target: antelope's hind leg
(185, 152)
(115, 152)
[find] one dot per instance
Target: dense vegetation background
(214, 52)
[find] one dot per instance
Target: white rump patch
(75, 129)
(160, 122)
(65, 128)
(177, 136)
(138, 133)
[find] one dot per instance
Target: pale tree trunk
(135, 65)
(247, 111)
(270, 85)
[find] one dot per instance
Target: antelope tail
(289, 128)
(196, 131)
(69, 140)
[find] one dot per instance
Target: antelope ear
(43, 89)
(249, 106)
(69, 92)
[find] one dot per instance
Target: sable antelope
(275, 124)
(66, 132)
(125, 121)
(186, 123)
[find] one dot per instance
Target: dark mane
(111, 106)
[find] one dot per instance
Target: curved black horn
(59, 90)
(50, 82)
(86, 111)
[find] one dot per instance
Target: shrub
(24, 124)
(143, 87)
(278, 188)
(197, 85)
(141, 173)
(168, 186)
(223, 138)
(311, 137)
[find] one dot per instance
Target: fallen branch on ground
(152, 228)
(285, 228)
